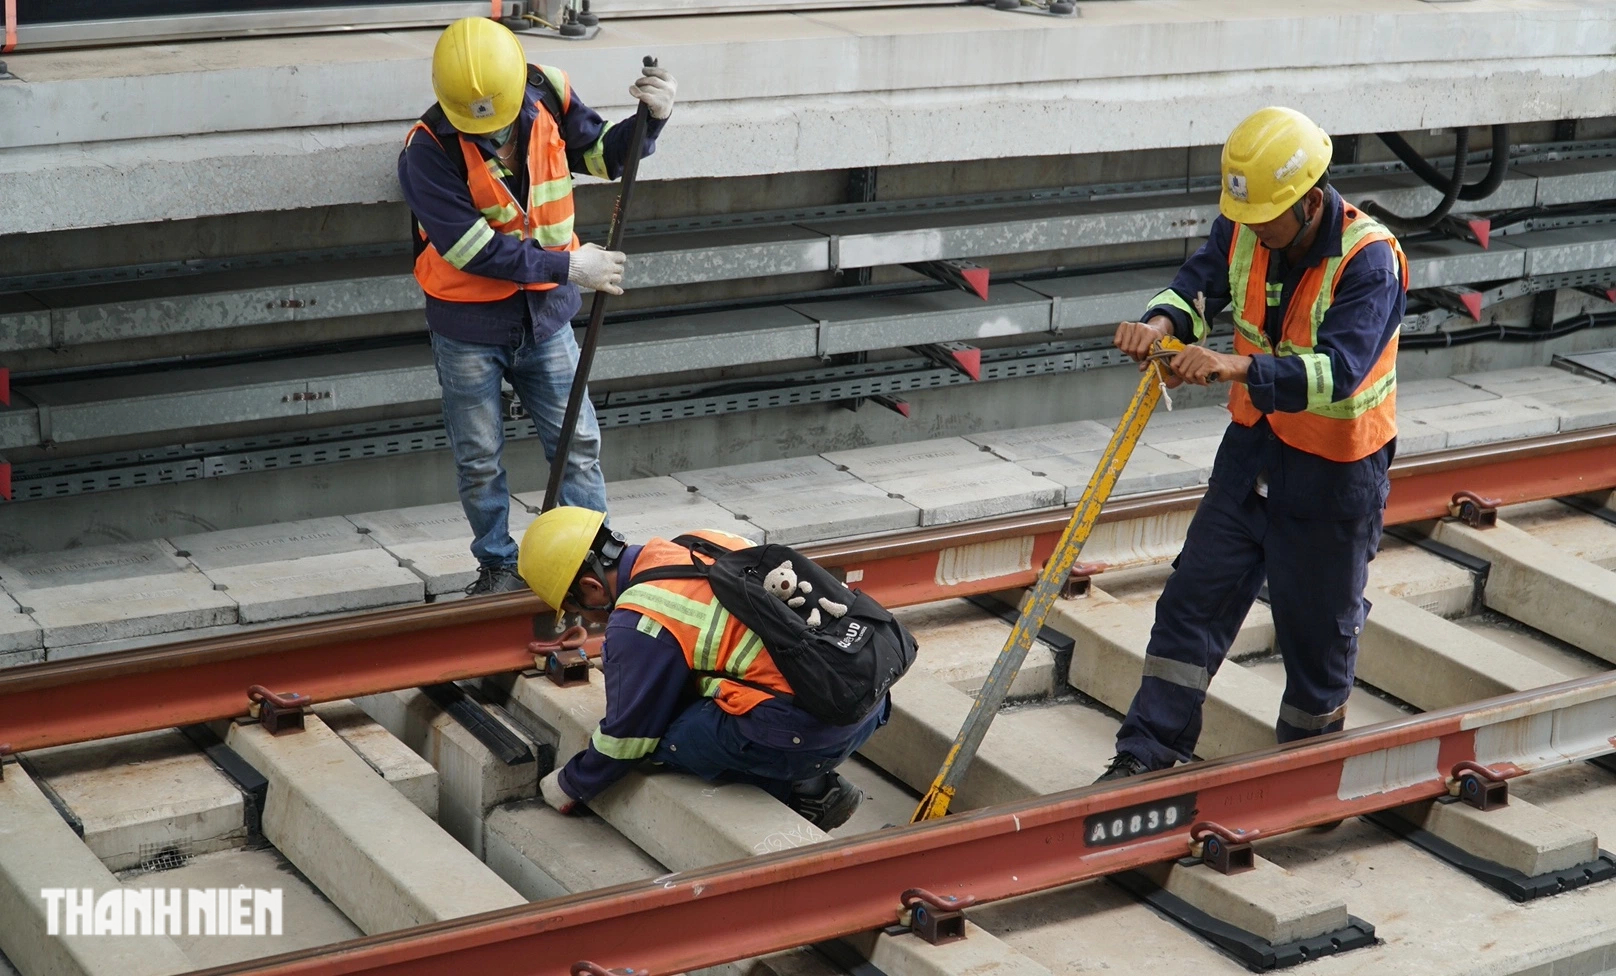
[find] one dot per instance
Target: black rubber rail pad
(1247, 948)
(1511, 882)
(252, 784)
(506, 745)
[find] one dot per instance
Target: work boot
(826, 801)
(1122, 766)
(496, 579)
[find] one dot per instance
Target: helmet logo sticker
(1237, 186)
(482, 108)
(1292, 166)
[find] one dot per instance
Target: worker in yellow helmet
(487, 173)
(1316, 290)
(688, 687)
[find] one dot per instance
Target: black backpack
(434, 117)
(841, 669)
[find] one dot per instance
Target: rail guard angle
(689, 920)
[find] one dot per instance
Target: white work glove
(550, 789)
(655, 88)
(597, 269)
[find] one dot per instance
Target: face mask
(503, 136)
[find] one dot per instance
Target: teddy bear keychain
(782, 582)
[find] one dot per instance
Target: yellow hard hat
(554, 548)
(479, 73)
(1269, 162)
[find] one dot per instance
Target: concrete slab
(927, 714)
(1269, 902)
(1537, 584)
(1565, 528)
(38, 850)
(14, 659)
(145, 797)
(976, 492)
(393, 761)
(1487, 422)
(20, 637)
(669, 522)
(1049, 440)
(543, 854)
(433, 541)
(471, 779)
(742, 483)
(1439, 392)
(1578, 407)
(70, 567)
(1148, 469)
(829, 512)
(1180, 424)
(1424, 579)
(1527, 381)
(877, 464)
(357, 579)
(1109, 659)
(275, 542)
(372, 852)
(117, 609)
(1433, 663)
(1522, 836)
(1416, 436)
(1198, 452)
(959, 643)
(308, 919)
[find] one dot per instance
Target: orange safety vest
(547, 219)
(1340, 430)
(714, 642)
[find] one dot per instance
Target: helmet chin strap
(600, 562)
(1300, 212)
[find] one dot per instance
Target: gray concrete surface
(379, 859)
(392, 760)
(37, 851)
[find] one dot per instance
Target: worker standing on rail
(487, 173)
(661, 706)
(1317, 293)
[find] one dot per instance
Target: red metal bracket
(278, 714)
(1474, 510)
(5, 479)
(964, 275)
(1082, 576)
(891, 403)
(1478, 786)
(935, 918)
(1222, 849)
(957, 356)
(5, 385)
(562, 658)
(584, 967)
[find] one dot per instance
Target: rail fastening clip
(1478, 786)
(562, 658)
(936, 919)
(278, 714)
(1221, 849)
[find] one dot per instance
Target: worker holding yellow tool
(1317, 292)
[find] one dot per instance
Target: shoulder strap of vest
(548, 96)
(431, 119)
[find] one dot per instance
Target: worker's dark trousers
(1316, 570)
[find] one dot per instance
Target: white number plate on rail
(1144, 820)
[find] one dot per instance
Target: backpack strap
(432, 118)
(548, 96)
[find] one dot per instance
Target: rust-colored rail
(198, 681)
(693, 919)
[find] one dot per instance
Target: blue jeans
(541, 373)
(706, 741)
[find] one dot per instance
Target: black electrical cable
(1450, 193)
(1507, 333)
(1496, 168)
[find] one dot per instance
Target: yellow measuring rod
(1055, 573)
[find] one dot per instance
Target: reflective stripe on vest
(711, 638)
(1341, 430)
(547, 219)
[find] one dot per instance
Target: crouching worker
(732, 662)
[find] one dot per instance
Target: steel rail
(57, 703)
(690, 920)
